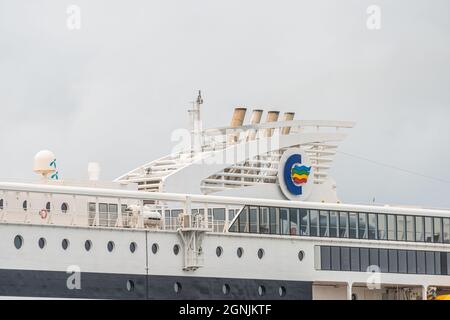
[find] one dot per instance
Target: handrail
(209, 199)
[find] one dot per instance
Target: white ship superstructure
(247, 211)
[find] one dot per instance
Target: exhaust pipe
(236, 121)
(272, 116)
(256, 119)
(288, 116)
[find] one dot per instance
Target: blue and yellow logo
(295, 174)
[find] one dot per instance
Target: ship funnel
(272, 116)
(288, 116)
(93, 171)
(255, 119)
(237, 121)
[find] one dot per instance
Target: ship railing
(220, 138)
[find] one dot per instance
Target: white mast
(196, 126)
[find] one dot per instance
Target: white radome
(42, 161)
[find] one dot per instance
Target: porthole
(282, 291)
(155, 248)
(226, 289)
(240, 252)
(42, 242)
(130, 285)
(88, 245)
(64, 207)
(1, 204)
(301, 255)
(25, 205)
(219, 251)
(176, 249)
(110, 246)
(177, 287)
(260, 253)
(48, 206)
(133, 247)
(261, 290)
(18, 242)
(65, 244)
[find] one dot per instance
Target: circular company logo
(294, 174)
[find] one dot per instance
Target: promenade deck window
(343, 225)
(294, 220)
(420, 231)
(372, 224)
(401, 227)
(428, 229)
(314, 222)
(304, 222)
(334, 224)
(437, 230)
(382, 227)
(392, 227)
(353, 225)
(362, 225)
(410, 230)
(324, 224)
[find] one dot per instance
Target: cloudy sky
(114, 90)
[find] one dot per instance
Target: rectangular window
(274, 221)
(411, 262)
(343, 225)
(364, 259)
(384, 260)
(362, 225)
(314, 221)
(392, 229)
(334, 224)
(254, 212)
(446, 230)
(393, 261)
(428, 229)
(219, 213)
(402, 261)
(353, 219)
(264, 220)
(324, 223)
(421, 265)
(112, 216)
(437, 230)
(294, 218)
(382, 230)
(284, 220)
(230, 215)
(444, 263)
(345, 259)
(91, 216)
(420, 229)
(437, 263)
(354, 259)
(410, 230)
(103, 214)
(325, 258)
(335, 258)
(243, 220)
(373, 257)
(372, 226)
(401, 228)
(304, 222)
(429, 259)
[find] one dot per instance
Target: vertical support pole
(424, 292)
(349, 290)
(97, 212)
(206, 215)
(119, 222)
(227, 218)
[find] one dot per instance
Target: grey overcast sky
(113, 91)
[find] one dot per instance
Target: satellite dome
(44, 162)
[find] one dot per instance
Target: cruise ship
(241, 212)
